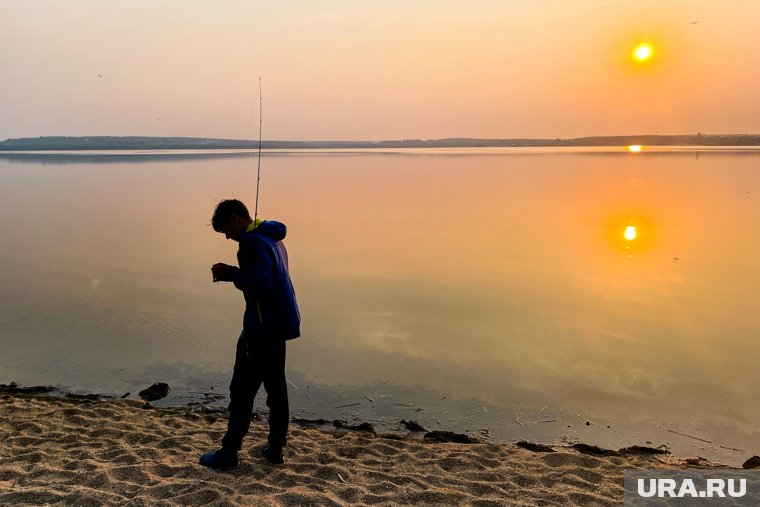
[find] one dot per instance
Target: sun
(643, 52)
(630, 233)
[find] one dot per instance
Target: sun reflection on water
(631, 232)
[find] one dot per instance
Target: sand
(59, 451)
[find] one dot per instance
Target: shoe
(220, 460)
(273, 455)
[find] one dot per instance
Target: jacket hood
(272, 229)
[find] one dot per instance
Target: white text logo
(715, 488)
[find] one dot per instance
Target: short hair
(224, 211)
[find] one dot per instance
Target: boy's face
(234, 229)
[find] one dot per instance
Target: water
(485, 289)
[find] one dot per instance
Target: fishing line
(258, 162)
(235, 176)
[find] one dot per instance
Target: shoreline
(195, 143)
(413, 418)
(87, 449)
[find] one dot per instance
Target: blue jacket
(271, 310)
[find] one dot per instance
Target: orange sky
(345, 69)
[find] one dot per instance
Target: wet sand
(78, 451)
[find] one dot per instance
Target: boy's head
(231, 218)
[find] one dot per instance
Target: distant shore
(84, 449)
(196, 143)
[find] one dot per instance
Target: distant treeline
(196, 143)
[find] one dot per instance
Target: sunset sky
(396, 69)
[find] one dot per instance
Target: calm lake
(514, 293)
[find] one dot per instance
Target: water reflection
(542, 279)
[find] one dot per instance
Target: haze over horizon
(342, 70)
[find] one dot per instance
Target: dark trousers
(257, 362)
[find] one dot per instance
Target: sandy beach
(79, 451)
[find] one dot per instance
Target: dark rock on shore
(155, 392)
(413, 425)
(450, 436)
(532, 446)
(365, 426)
(640, 450)
(14, 388)
(593, 450)
(338, 423)
(83, 397)
(310, 422)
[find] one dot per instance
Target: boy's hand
(222, 272)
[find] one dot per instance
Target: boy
(271, 318)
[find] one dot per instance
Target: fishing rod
(258, 165)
